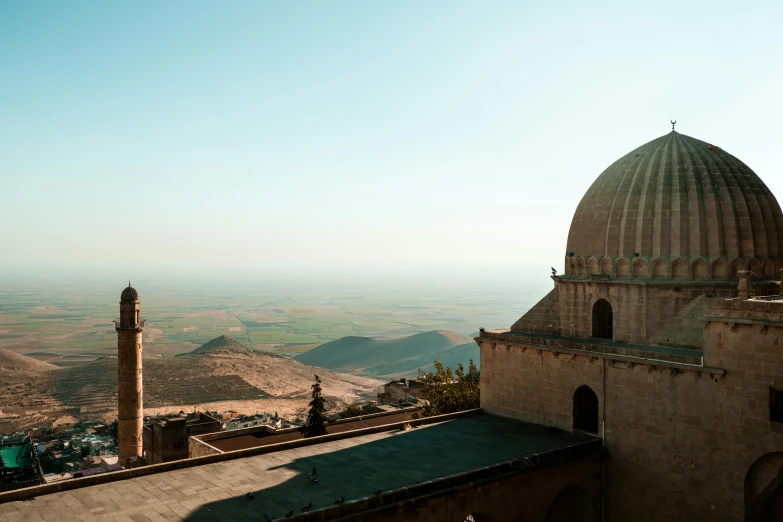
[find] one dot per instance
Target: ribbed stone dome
(129, 295)
(678, 199)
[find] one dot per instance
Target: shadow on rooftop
(278, 483)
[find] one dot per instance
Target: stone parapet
(598, 347)
(762, 310)
(602, 279)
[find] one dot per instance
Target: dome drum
(646, 268)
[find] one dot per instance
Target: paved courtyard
(276, 483)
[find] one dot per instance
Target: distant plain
(69, 322)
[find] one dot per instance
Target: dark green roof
(12, 457)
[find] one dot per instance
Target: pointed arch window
(603, 319)
(585, 410)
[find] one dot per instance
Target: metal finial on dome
(673, 122)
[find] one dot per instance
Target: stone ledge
(604, 346)
(728, 283)
(649, 361)
(739, 320)
(196, 440)
(765, 311)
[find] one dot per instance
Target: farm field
(69, 322)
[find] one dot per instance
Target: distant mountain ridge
(393, 357)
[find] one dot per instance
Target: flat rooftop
(353, 468)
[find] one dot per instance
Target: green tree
(114, 430)
(447, 391)
(316, 421)
(352, 410)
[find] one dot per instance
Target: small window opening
(585, 410)
(602, 319)
(776, 405)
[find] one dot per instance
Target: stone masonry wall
(680, 440)
(197, 448)
(544, 317)
(130, 394)
(640, 310)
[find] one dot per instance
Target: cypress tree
(316, 421)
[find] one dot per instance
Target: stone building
(653, 340)
(399, 391)
(646, 386)
(129, 379)
(166, 439)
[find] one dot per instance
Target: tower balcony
(119, 326)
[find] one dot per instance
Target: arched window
(764, 489)
(585, 410)
(602, 319)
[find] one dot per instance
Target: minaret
(130, 410)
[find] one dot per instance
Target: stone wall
(198, 448)
(130, 395)
(204, 424)
(640, 309)
(169, 440)
(544, 317)
(681, 439)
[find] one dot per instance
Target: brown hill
(223, 343)
(197, 378)
(13, 361)
(246, 382)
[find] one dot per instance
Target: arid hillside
(13, 361)
(393, 357)
(222, 379)
(223, 343)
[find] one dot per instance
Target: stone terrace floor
(353, 468)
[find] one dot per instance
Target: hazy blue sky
(374, 134)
